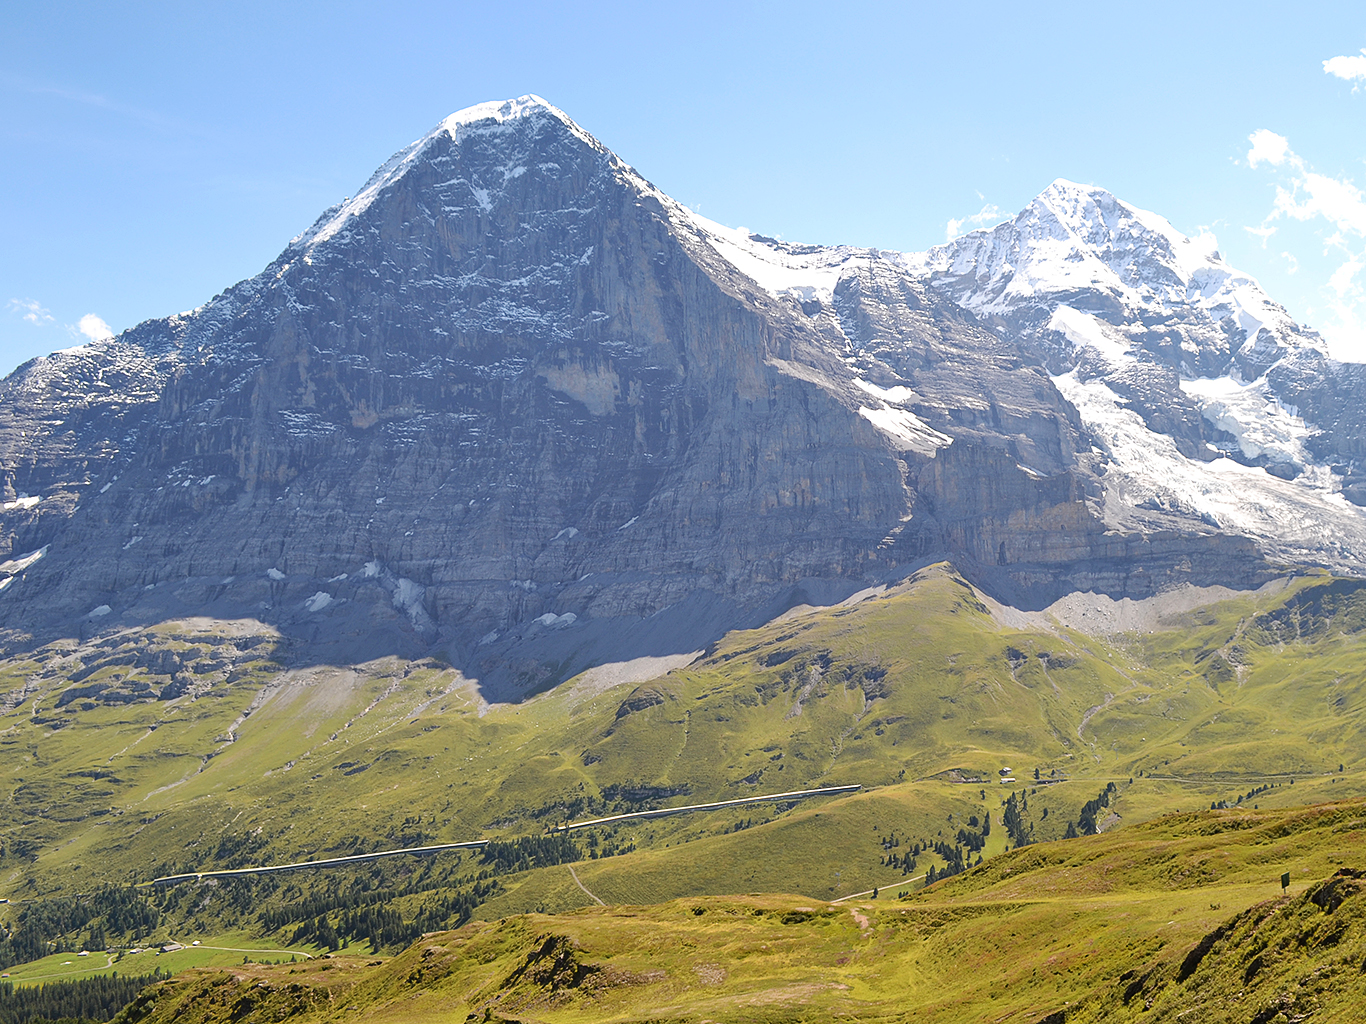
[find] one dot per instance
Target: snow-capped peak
(503, 111)
(1077, 237)
(493, 116)
(1080, 245)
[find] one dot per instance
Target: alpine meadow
(529, 600)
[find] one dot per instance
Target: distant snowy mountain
(1143, 328)
(513, 401)
(1082, 270)
(1204, 395)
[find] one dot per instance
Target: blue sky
(153, 154)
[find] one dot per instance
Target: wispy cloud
(94, 328)
(99, 101)
(989, 214)
(1305, 195)
(31, 310)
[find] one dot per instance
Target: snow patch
(1301, 519)
(275, 574)
(803, 272)
(319, 601)
(17, 565)
(23, 501)
(99, 611)
(1085, 330)
(898, 394)
(1252, 414)
(907, 430)
(408, 596)
(552, 621)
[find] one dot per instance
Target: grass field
(212, 951)
(922, 695)
(1180, 918)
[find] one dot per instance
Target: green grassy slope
(1178, 919)
(919, 694)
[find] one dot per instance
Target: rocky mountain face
(512, 403)
(1182, 368)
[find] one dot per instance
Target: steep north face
(512, 402)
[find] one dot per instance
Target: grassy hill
(1180, 918)
(197, 745)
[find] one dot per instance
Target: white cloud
(1303, 194)
(1312, 195)
(31, 310)
(94, 328)
(988, 214)
(1348, 304)
(1267, 146)
(1349, 68)
(1262, 232)
(1293, 264)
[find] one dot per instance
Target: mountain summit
(1078, 246)
(513, 403)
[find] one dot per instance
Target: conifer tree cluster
(385, 927)
(1020, 831)
(97, 998)
(1086, 821)
(903, 862)
(370, 917)
(1258, 791)
(61, 924)
(527, 852)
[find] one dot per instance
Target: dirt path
(880, 888)
(592, 896)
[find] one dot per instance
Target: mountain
(512, 404)
(297, 575)
(1205, 401)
